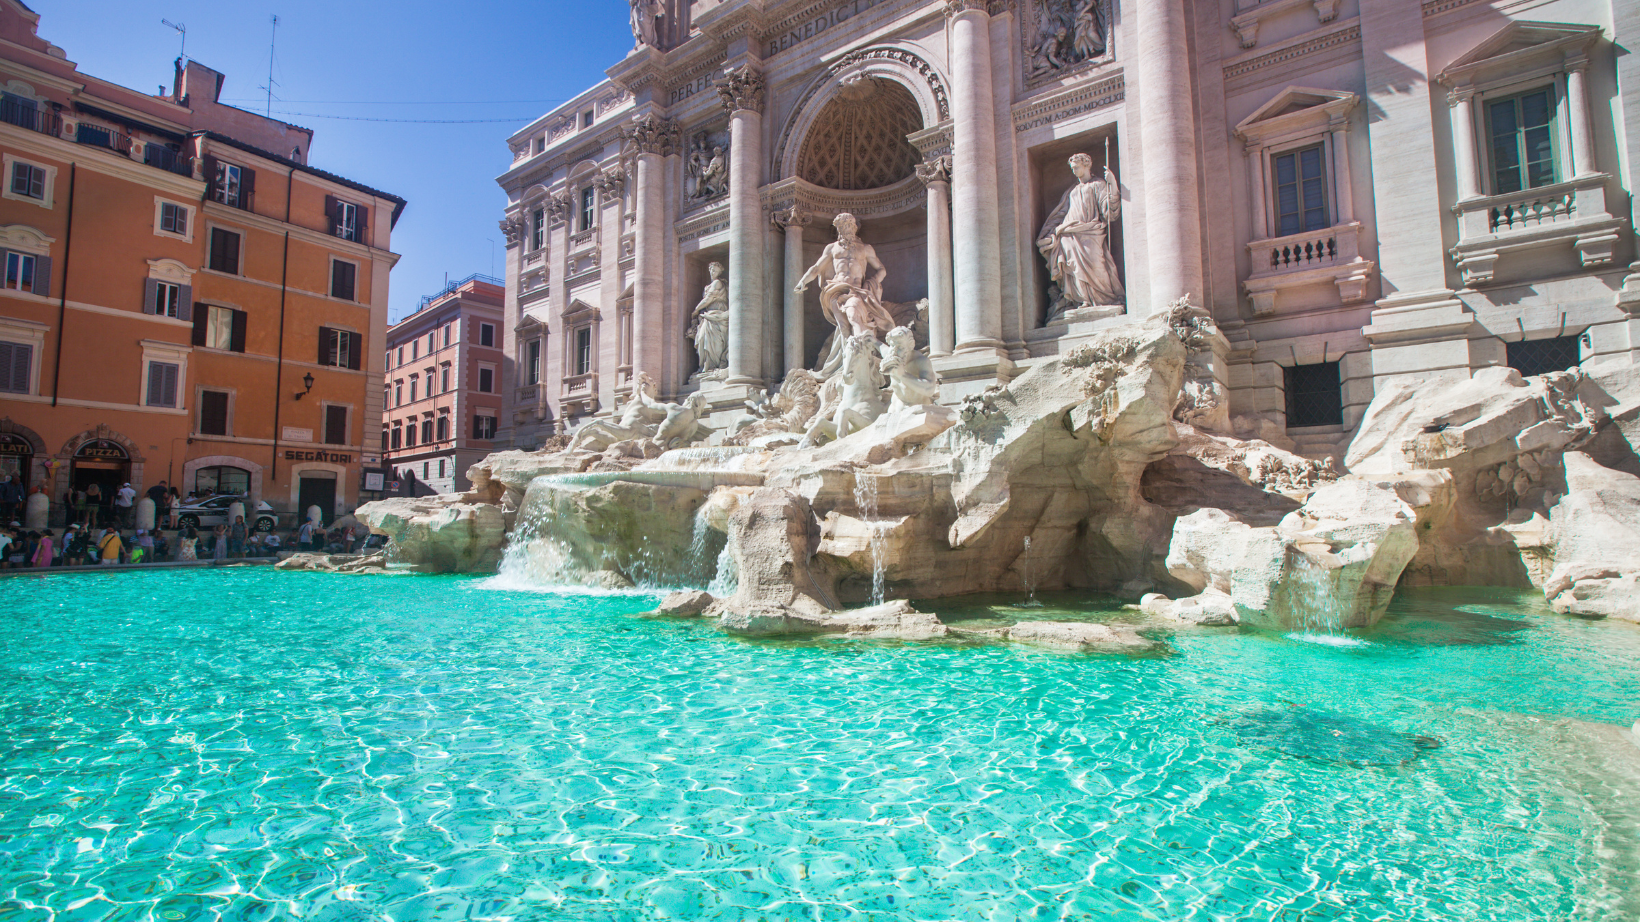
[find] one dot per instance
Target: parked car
(214, 511)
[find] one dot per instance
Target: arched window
(222, 480)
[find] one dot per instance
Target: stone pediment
(579, 310)
(1295, 108)
(1520, 46)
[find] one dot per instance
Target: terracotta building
(442, 396)
(1359, 191)
(187, 299)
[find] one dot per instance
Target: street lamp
(307, 381)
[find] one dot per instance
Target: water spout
(1027, 577)
(865, 500)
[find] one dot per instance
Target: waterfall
(1313, 594)
(1027, 577)
(865, 500)
(727, 579)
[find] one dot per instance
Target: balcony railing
(97, 136)
(158, 155)
(1571, 213)
(33, 118)
(1331, 254)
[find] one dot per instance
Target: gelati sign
(14, 445)
(837, 15)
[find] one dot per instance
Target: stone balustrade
(1571, 213)
(1297, 260)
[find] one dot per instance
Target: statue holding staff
(1075, 240)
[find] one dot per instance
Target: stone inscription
(837, 15)
(699, 84)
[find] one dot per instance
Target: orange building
(185, 298)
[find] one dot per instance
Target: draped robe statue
(851, 296)
(711, 323)
(1075, 240)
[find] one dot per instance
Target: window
(387, 360)
(168, 299)
(335, 425)
(398, 393)
(540, 144)
(213, 412)
(234, 185)
(532, 365)
(484, 427)
(398, 435)
(28, 180)
(16, 361)
(413, 380)
(384, 439)
(424, 470)
(443, 432)
(220, 328)
(538, 229)
(410, 434)
(583, 351)
(1301, 195)
(447, 332)
(426, 431)
(401, 355)
(486, 334)
(486, 380)
(173, 219)
(444, 379)
(432, 343)
(162, 384)
(415, 349)
(347, 220)
(20, 271)
(589, 207)
(342, 276)
(441, 467)
(224, 251)
(1541, 356)
(1522, 141)
(339, 348)
(234, 481)
(586, 119)
(1315, 395)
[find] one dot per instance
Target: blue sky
(405, 59)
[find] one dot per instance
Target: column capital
(653, 134)
(512, 227)
(955, 8)
(934, 169)
(741, 88)
(786, 218)
(1460, 94)
(611, 183)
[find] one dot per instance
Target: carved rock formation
(439, 534)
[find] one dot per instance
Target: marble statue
(639, 418)
(706, 176)
(852, 294)
(1046, 56)
(1090, 31)
(857, 392)
(1069, 32)
(645, 14)
(1075, 241)
(682, 426)
(912, 381)
(709, 327)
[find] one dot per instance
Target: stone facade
(1360, 192)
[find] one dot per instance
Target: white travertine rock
(439, 534)
(1079, 636)
(1333, 562)
(685, 603)
(896, 620)
(1594, 534)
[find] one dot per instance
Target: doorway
(105, 463)
(316, 489)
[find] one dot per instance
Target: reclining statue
(641, 416)
(912, 379)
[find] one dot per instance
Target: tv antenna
(271, 39)
(182, 28)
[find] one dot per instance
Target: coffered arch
(898, 65)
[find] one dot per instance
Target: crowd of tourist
(110, 545)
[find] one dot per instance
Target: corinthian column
(793, 222)
(936, 175)
(976, 238)
(741, 90)
(1167, 134)
(655, 138)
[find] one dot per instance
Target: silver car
(214, 511)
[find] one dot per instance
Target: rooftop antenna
(271, 39)
(183, 29)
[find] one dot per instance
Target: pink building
(442, 395)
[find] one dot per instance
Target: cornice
(1096, 93)
(1344, 33)
(102, 160)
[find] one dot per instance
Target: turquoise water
(253, 744)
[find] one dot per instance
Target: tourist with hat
(123, 501)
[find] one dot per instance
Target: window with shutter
(342, 276)
(228, 186)
(219, 323)
(213, 412)
(28, 180)
(336, 425)
(410, 435)
(167, 299)
(224, 251)
(173, 219)
(162, 384)
(398, 433)
(238, 342)
(443, 429)
(444, 379)
(16, 361)
(483, 427)
(20, 271)
(426, 431)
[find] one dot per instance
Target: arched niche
(904, 67)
